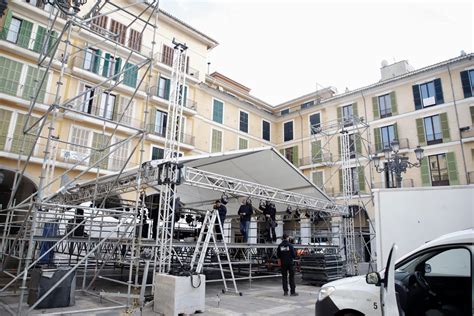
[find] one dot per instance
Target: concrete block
(176, 295)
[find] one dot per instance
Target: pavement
(260, 297)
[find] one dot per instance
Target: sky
(282, 49)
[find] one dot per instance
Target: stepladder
(207, 242)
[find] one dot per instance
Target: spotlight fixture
(263, 204)
(288, 209)
(248, 201)
(189, 219)
(224, 198)
(307, 215)
(297, 213)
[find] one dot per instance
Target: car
(434, 279)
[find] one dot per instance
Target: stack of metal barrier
(320, 268)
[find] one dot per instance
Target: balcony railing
(165, 60)
(46, 7)
(467, 132)
(470, 177)
(379, 147)
(406, 183)
(185, 138)
(31, 41)
(323, 158)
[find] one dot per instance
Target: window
(266, 130)
(164, 88)
(157, 153)
(183, 95)
(318, 178)
(14, 30)
(467, 80)
(352, 146)
(347, 114)
(99, 24)
(216, 141)
(218, 111)
(119, 153)
(109, 65)
(390, 180)
(160, 123)
(385, 105)
(315, 123)
(288, 131)
(243, 143)
(92, 59)
(354, 180)
(452, 262)
(119, 31)
(428, 94)
(438, 170)
(307, 105)
(285, 112)
(244, 122)
(107, 105)
(387, 134)
(10, 72)
(79, 140)
(433, 130)
(167, 56)
(135, 40)
(87, 104)
(291, 153)
(130, 75)
(125, 110)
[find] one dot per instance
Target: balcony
(167, 61)
(33, 41)
(188, 103)
(185, 138)
(325, 158)
(45, 7)
(379, 147)
(467, 132)
(25, 92)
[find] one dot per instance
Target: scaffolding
(353, 143)
(87, 236)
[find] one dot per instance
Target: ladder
(207, 233)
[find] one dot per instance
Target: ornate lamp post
(395, 162)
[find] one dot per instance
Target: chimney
(394, 70)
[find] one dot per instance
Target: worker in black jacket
(286, 253)
(222, 210)
(269, 211)
(245, 212)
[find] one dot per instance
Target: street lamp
(395, 162)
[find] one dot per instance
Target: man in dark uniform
(269, 211)
(245, 212)
(286, 253)
(222, 213)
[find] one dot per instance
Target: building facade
(432, 107)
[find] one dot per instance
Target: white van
(435, 279)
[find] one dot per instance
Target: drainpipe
(459, 127)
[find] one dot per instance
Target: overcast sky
(283, 49)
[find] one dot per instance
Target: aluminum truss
(352, 136)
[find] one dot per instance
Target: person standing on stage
(245, 212)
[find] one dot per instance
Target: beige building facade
(432, 107)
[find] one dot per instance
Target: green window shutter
(97, 58)
(318, 179)
(316, 154)
(118, 66)
(33, 78)
(395, 132)
(361, 176)
(296, 160)
(340, 180)
(218, 111)
(355, 110)
(19, 137)
(40, 36)
(216, 145)
(5, 117)
(99, 141)
(443, 117)
(282, 151)
(6, 25)
(339, 146)
(378, 140)
(10, 72)
(115, 111)
(130, 75)
(452, 168)
(151, 125)
(393, 101)
(106, 65)
(472, 114)
(420, 129)
(358, 143)
(425, 173)
(25, 34)
(339, 113)
(243, 143)
(52, 42)
(167, 88)
(375, 108)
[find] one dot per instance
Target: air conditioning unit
(71, 155)
(429, 101)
